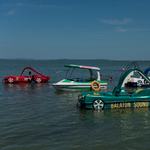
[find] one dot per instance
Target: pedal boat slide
(119, 98)
(78, 84)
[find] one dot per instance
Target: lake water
(37, 117)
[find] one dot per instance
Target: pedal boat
(39, 78)
(139, 82)
(78, 84)
(119, 98)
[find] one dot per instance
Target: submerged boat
(77, 84)
(119, 98)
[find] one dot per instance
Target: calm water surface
(39, 117)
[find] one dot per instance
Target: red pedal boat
(39, 78)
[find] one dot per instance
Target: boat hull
(107, 100)
(118, 105)
(72, 86)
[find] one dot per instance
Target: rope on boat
(61, 71)
(71, 104)
(50, 85)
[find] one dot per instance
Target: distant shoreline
(64, 59)
(48, 59)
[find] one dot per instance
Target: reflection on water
(22, 87)
(124, 124)
(67, 93)
(16, 87)
(113, 112)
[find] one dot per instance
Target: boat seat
(91, 79)
(81, 80)
(71, 79)
(77, 80)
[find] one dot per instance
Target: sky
(75, 29)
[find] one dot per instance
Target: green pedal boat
(119, 98)
(73, 82)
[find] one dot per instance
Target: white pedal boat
(77, 84)
(139, 82)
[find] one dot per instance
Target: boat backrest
(119, 92)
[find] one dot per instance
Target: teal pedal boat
(73, 81)
(119, 98)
